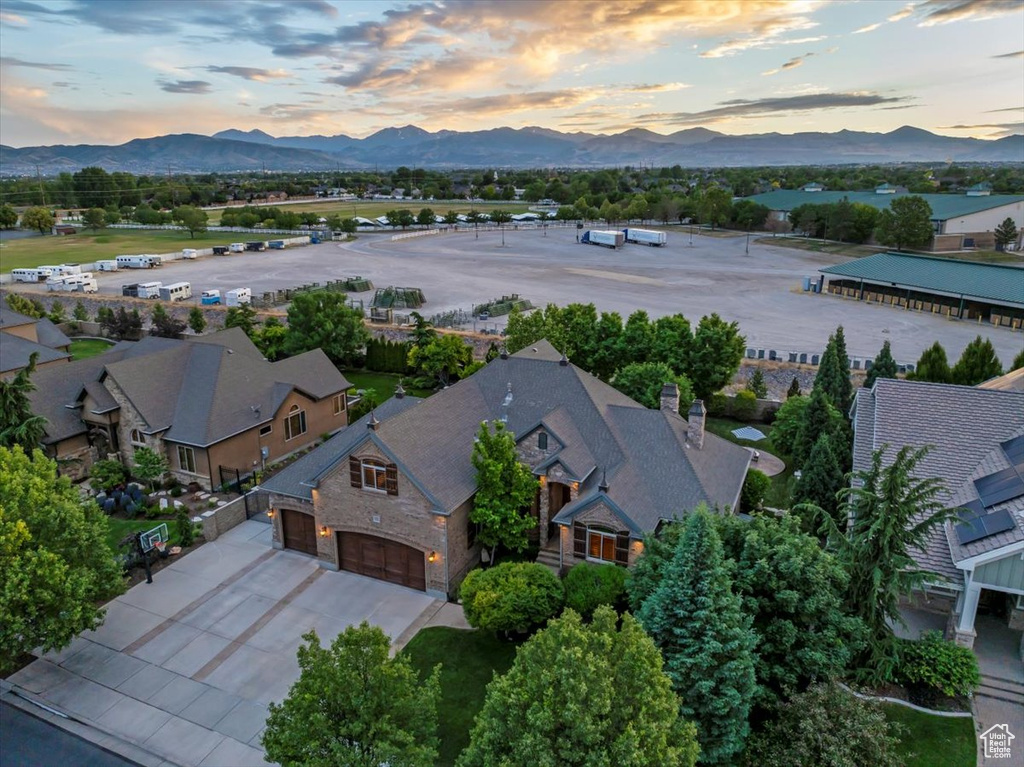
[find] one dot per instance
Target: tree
(905, 223)
(28, 307)
(18, 425)
(122, 324)
(94, 218)
(8, 216)
(243, 317)
(451, 218)
(820, 417)
(39, 219)
(56, 565)
(834, 373)
(425, 217)
(583, 695)
(671, 343)
(932, 366)
(826, 725)
(786, 428)
(354, 705)
(977, 363)
(715, 355)
(149, 465)
(821, 479)
(755, 486)
(1018, 361)
(57, 314)
(505, 490)
(80, 313)
(884, 366)
(892, 513)
(193, 219)
(196, 320)
(270, 338)
(107, 475)
(696, 620)
(164, 325)
(422, 331)
(1005, 234)
(444, 359)
(643, 382)
(714, 206)
(511, 597)
(323, 320)
(757, 385)
(794, 389)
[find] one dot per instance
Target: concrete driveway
(185, 667)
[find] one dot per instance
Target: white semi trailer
(646, 237)
(609, 239)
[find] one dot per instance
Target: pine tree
(978, 363)
(834, 373)
(18, 426)
(821, 478)
(932, 366)
(757, 385)
(196, 320)
(794, 389)
(1018, 361)
(819, 417)
(884, 367)
(697, 622)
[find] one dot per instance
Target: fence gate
(235, 481)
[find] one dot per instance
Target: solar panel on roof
(998, 487)
(1014, 449)
(973, 526)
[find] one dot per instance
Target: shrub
(176, 492)
(755, 486)
(511, 597)
(744, 406)
(588, 586)
(185, 529)
(939, 665)
(717, 405)
(106, 475)
(154, 511)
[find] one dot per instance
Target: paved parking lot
(185, 667)
(760, 289)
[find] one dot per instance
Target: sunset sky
(107, 71)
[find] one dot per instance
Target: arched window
(294, 423)
(373, 474)
(137, 438)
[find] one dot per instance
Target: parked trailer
(56, 282)
(86, 285)
(608, 239)
(237, 247)
(220, 250)
(210, 297)
(66, 269)
(28, 275)
(646, 237)
(149, 289)
(276, 244)
(106, 266)
(138, 262)
(47, 271)
(257, 246)
(238, 297)
(176, 291)
(131, 291)
(189, 253)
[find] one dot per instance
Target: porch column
(544, 511)
(965, 632)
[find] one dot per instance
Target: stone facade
(131, 420)
(599, 515)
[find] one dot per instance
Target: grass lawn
(859, 251)
(119, 528)
(84, 348)
(778, 494)
(468, 661)
(382, 383)
(375, 208)
(934, 741)
(106, 244)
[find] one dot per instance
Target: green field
(934, 741)
(375, 208)
(120, 528)
(86, 248)
(383, 384)
(83, 348)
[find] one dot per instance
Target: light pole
(691, 235)
(746, 250)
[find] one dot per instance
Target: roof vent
(373, 423)
(399, 390)
(564, 361)
(603, 487)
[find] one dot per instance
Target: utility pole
(42, 189)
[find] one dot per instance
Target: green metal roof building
(963, 289)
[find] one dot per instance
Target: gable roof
(963, 426)
(944, 206)
(12, 319)
(16, 351)
(652, 471)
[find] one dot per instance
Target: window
(600, 545)
(339, 404)
(295, 423)
(137, 438)
(542, 441)
(186, 459)
(265, 430)
(374, 476)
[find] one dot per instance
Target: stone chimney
(695, 421)
(670, 397)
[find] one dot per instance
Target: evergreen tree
(196, 320)
(794, 389)
(978, 363)
(884, 366)
(932, 366)
(906, 222)
(757, 385)
(243, 317)
(1018, 361)
(80, 313)
(834, 373)
(1005, 233)
(164, 325)
(697, 622)
(821, 478)
(818, 418)
(18, 426)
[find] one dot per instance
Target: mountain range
(237, 150)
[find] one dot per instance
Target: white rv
(47, 271)
(56, 282)
(238, 297)
(28, 275)
(177, 291)
(149, 289)
(237, 247)
(189, 253)
(65, 269)
(137, 262)
(106, 266)
(82, 285)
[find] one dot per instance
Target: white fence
(409, 235)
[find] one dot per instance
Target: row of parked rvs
(235, 297)
(616, 239)
(182, 291)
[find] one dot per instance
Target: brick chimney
(695, 420)
(670, 397)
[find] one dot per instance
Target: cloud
(1005, 109)
(1019, 126)
(948, 11)
(1014, 55)
(185, 86)
(793, 63)
(7, 61)
(868, 28)
(659, 88)
(508, 103)
(746, 108)
(13, 19)
(250, 73)
(768, 33)
(452, 71)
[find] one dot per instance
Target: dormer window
(373, 474)
(542, 441)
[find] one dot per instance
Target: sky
(108, 71)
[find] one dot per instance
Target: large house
(976, 441)
(390, 496)
(21, 337)
(208, 404)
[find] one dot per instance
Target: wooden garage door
(299, 531)
(380, 558)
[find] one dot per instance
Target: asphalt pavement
(26, 741)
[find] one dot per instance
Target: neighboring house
(390, 496)
(21, 337)
(976, 441)
(208, 404)
(1012, 381)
